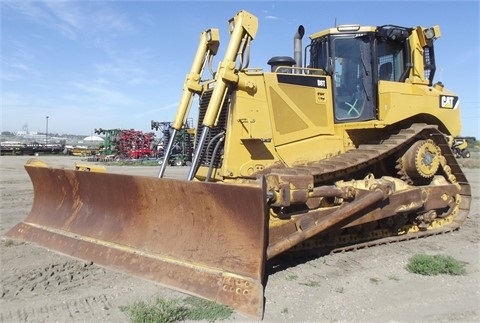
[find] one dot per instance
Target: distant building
(26, 133)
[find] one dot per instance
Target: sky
(121, 64)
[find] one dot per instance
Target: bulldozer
(344, 151)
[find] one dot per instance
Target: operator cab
(357, 58)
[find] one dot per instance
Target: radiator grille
(210, 143)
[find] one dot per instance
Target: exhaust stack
(297, 46)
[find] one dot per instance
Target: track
(366, 157)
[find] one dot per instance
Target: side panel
(278, 122)
(249, 145)
(301, 106)
(400, 101)
(302, 117)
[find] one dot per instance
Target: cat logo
(448, 101)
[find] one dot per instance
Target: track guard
(204, 239)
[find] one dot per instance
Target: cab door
(352, 78)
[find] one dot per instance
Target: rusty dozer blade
(203, 239)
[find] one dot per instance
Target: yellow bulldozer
(344, 151)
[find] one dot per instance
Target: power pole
(46, 133)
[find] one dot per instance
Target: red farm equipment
(127, 144)
(135, 144)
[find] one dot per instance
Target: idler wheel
(422, 159)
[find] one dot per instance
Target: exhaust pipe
(297, 46)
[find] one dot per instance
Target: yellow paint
(36, 163)
(90, 168)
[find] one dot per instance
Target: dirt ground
(368, 285)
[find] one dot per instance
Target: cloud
(113, 21)
(168, 107)
(127, 66)
(65, 18)
(132, 75)
(73, 19)
(48, 14)
(147, 19)
(25, 8)
(17, 62)
(99, 94)
(271, 17)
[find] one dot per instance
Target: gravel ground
(368, 285)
